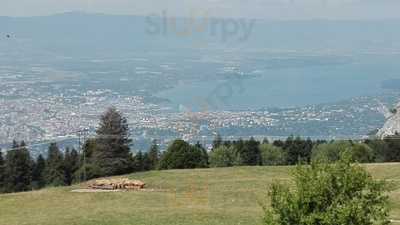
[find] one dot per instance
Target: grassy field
(226, 196)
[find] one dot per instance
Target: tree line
(109, 154)
(19, 171)
(296, 150)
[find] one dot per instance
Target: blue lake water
(288, 87)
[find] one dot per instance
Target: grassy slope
(210, 196)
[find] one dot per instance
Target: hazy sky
(272, 9)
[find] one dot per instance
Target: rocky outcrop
(392, 125)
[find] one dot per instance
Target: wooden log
(112, 184)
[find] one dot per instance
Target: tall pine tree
(154, 155)
(112, 154)
(18, 169)
(38, 172)
(71, 165)
(54, 172)
(393, 153)
(217, 141)
(1, 171)
(250, 153)
(138, 162)
(298, 149)
(87, 168)
(204, 157)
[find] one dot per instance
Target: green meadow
(223, 196)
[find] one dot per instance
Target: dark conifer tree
(227, 143)
(217, 141)
(147, 165)
(138, 162)
(88, 149)
(154, 155)
(87, 169)
(298, 149)
(112, 154)
(293, 150)
(204, 154)
(38, 172)
(392, 154)
(381, 149)
(308, 146)
(250, 153)
(18, 169)
(279, 143)
(54, 172)
(182, 155)
(71, 165)
(2, 165)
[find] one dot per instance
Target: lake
(288, 87)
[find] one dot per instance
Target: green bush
(223, 157)
(331, 152)
(182, 155)
(338, 193)
(362, 153)
(272, 155)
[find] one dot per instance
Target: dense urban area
(33, 116)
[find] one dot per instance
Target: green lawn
(226, 196)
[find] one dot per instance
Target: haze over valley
(316, 78)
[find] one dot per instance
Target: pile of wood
(117, 184)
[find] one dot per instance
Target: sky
(265, 9)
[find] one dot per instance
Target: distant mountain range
(78, 33)
(319, 60)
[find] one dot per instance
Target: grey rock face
(391, 126)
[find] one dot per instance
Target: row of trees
(19, 171)
(108, 154)
(295, 149)
(105, 155)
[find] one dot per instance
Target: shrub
(182, 155)
(329, 194)
(222, 157)
(272, 155)
(362, 153)
(331, 152)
